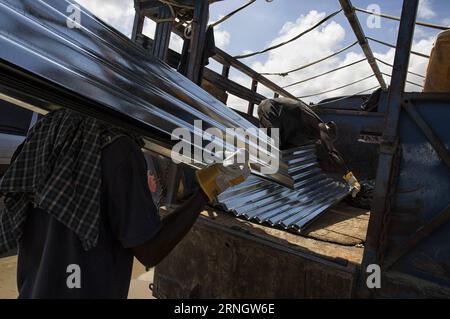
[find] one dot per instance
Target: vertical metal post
(226, 75)
(226, 71)
(251, 106)
(160, 50)
(357, 29)
(139, 18)
(194, 70)
(162, 34)
(199, 25)
(385, 179)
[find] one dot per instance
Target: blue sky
(260, 23)
(264, 23)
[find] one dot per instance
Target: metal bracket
(431, 136)
(421, 234)
(383, 242)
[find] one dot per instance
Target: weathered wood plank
(162, 34)
(226, 257)
(226, 59)
(251, 105)
(341, 225)
(232, 87)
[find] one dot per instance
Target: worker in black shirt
(78, 207)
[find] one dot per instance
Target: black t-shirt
(298, 125)
(51, 258)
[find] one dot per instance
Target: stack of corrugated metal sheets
(264, 202)
(92, 68)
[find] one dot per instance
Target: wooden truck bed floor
(339, 233)
(228, 257)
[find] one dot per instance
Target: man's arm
(173, 228)
(213, 180)
(132, 214)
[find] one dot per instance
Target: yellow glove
(351, 180)
(216, 178)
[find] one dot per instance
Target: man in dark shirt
(299, 125)
(54, 263)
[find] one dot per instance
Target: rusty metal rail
(357, 29)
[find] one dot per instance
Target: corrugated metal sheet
(46, 65)
(265, 202)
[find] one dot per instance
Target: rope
(348, 96)
(314, 62)
(328, 72)
(338, 88)
(410, 72)
(419, 85)
(290, 40)
(187, 33)
(176, 4)
(393, 46)
(174, 14)
(164, 20)
(424, 24)
(229, 15)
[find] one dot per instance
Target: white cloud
(118, 13)
(221, 37)
(320, 43)
(176, 43)
(425, 10)
(234, 101)
(149, 28)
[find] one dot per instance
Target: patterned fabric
(57, 170)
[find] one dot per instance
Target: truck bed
(228, 257)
